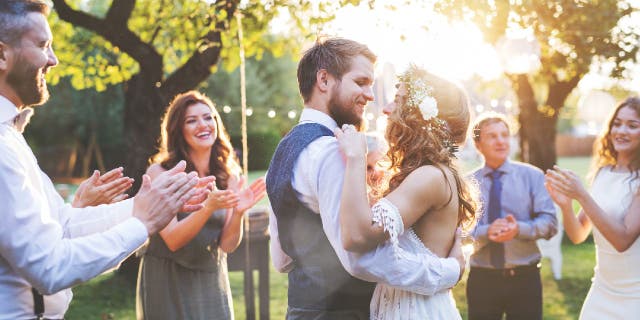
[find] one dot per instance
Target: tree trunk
(537, 126)
(538, 122)
(147, 94)
(143, 111)
(537, 137)
(144, 106)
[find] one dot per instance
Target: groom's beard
(343, 114)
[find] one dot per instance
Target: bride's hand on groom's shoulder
(352, 143)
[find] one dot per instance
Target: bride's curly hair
(416, 142)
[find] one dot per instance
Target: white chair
(552, 249)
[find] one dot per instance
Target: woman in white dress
(425, 193)
(613, 210)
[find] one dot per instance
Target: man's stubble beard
(342, 114)
(25, 79)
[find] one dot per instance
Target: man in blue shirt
(517, 210)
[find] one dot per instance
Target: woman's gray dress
(190, 283)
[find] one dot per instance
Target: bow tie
(22, 119)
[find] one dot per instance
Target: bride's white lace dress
(390, 303)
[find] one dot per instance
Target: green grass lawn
(110, 297)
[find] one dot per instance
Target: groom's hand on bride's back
(457, 253)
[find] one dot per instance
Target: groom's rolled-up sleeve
(393, 266)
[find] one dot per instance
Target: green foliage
(68, 120)
(153, 41)
(271, 85)
(261, 145)
(86, 59)
(71, 118)
(176, 29)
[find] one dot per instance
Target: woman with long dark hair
(183, 274)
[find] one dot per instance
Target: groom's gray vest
(317, 281)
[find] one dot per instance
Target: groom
(304, 185)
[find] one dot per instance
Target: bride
(425, 193)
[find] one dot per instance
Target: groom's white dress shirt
(45, 243)
(317, 180)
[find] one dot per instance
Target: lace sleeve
(386, 215)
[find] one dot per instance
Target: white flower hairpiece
(419, 93)
(420, 96)
(429, 108)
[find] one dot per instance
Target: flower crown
(420, 96)
(419, 93)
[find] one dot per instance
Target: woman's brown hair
(416, 142)
(604, 153)
(173, 146)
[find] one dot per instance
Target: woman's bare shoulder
(431, 181)
(429, 174)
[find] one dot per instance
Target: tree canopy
(575, 36)
(101, 43)
(159, 48)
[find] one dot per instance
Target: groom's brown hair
(332, 54)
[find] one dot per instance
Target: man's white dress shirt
(317, 179)
(45, 243)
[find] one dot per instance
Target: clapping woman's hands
(251, 195)
(563, 185)
(97, 190)
(353, 144)
(561, 199)
(221, 199)
(248, 196)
